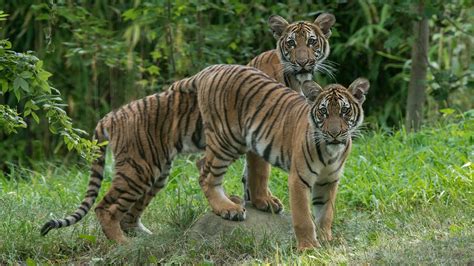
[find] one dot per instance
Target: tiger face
(336, 112)
(303, 46)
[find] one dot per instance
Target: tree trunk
(419, 63)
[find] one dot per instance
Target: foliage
(403, 198)
(22, 75)
(106, 53)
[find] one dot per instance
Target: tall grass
(403, 198)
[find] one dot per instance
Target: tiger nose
(302, 62)
(334, 133)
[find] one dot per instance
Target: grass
(404, 198)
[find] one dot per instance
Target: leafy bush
(22, 75)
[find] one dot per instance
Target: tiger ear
(359, 89)
(325, 21)
(310, 90)
(278, 25)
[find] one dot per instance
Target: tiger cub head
(336, 111)
(302, 45)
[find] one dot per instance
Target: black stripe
(268, 151)
(83, 209)
(308, 165)
(94, 184)
(198, 133)
(88, 206)
(320, 155)
(131, 183)
(91, 193)
(319, 202)
(326, 183)
(97, 174)
(306, 183)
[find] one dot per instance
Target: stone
(212, 227)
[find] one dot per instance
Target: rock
(257, 223)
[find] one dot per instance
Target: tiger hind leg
(125, 191)
(211, 176)
(131, 222)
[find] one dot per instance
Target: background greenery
(404, 197)
(103, 54)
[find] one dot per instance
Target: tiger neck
(326, 154)
(292, 80)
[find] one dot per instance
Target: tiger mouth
(336, 142)
(304, 71)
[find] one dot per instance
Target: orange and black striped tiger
(144, 137)
(302, 49)
(309, 136)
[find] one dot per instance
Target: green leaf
(39, 64)
(17, 94)
(447, 111)
(44, 75)
(30, 262)
(16, 83)
(35, 117)
(20, 82)
(130, 14)
(4, 85)
(89, 238)
(26, 74)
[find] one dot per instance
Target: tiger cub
(144, 137)
(309, 136)
(302, 48)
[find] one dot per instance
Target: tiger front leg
(303, 224)
(258, 172)
(211, 176)
(324, 200)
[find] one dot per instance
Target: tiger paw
(234, 213)
(134, 228)
(308, 245)
(325, 235)
(268, 204)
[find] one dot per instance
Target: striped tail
(95, 181)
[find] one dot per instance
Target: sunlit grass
(403, 199)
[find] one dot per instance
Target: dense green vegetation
(102, 54)
(404, 198)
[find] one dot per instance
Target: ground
(404, 198)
